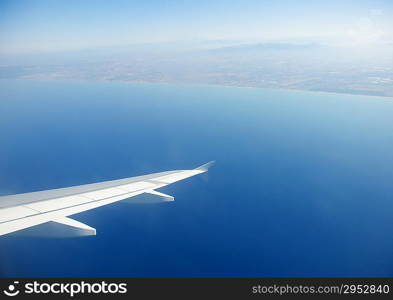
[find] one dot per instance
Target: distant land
(282, 65)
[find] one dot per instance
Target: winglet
(206, 167)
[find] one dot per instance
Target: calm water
(302, 184)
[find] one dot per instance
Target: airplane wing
(21, 213)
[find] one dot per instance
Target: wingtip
(206, 166)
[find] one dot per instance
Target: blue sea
(302, 186)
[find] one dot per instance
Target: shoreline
(200, 85)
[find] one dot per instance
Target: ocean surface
(302, 186)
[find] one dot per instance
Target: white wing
(50, 209)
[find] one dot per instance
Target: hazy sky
(44, 25)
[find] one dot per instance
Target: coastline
(201, 85)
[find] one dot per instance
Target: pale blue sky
(43, 25)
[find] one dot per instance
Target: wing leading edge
(21, 213)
